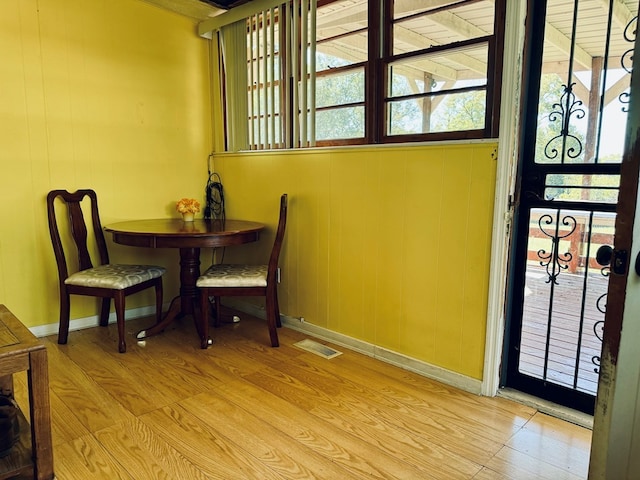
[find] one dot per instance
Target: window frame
(380, 55)
(299, 129)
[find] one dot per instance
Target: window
(342, 46)
(440, 68)
(330, 72)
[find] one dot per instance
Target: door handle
(607, 255)
(604, 255)
(638, 265)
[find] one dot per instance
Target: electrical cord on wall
(214, 194)
(214, 207)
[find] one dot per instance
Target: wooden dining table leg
(189, 273)
(186, 302)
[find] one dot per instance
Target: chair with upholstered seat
(229, 280)
(104, 280)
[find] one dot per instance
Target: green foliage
(555, 146)
(340, 123)
(335, 90)
(551, 145)
(462, 111)
(571, 187)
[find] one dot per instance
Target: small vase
(187, 217)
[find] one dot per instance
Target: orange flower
(188, 205)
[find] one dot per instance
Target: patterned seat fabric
(113, 276)
(234, 276)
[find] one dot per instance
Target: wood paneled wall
(109, 95)
(389, 245)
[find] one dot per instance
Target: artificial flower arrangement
(188, 205)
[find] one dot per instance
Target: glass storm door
(577, 69)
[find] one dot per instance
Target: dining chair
(84, 276)
(231, 280)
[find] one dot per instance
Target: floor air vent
(317, 348)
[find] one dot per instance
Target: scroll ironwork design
(568, 108)
(554, 261)
(598, 327)
(626, 60)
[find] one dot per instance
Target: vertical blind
(269, 78)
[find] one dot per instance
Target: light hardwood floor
(244, 410)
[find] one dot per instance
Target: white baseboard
(88, 322)
(420, 367)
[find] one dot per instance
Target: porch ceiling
(195, 9)
(469, 21)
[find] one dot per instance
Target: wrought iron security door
(578, 63)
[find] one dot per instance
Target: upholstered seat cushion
(234, 276)
(117, 277)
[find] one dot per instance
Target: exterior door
(577, 65)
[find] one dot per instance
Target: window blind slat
(272, 74)
(303, 72)
(295, 69)
(233, 41)
(251, 90)
(312, 71)
(278, 96)
(265, 75)
(286, 78)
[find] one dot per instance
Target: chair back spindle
(78, 228)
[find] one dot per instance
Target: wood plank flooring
(244, 410)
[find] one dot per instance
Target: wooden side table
(20, 350)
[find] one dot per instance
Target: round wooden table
(189, 237)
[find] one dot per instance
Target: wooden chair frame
(80, 237)
(270, 291)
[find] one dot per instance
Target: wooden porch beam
(621, 13)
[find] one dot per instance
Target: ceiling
(195, 9)
(437, 29)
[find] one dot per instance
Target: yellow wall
(110, 95)
(389, 245)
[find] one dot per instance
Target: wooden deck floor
(572, 345)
